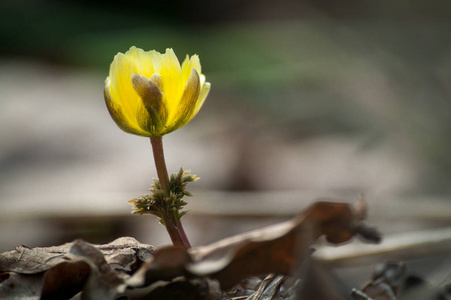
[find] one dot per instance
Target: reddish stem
(176, 231)
(182, 234)
(160, 163)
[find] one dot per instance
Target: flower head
(150, 94)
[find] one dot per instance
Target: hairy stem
(182, 233)
(175, 231)
(160, 163)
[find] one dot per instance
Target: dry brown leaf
(166, 264)
(125, 252)
(19, 286)
(103, 282)
(102, 271)
(391, 281)
(65, 280)
(56, 273)
(279, 248)
(25, 260)
(274, 249)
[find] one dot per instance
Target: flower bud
(149, 94)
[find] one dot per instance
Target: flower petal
(142, 60)
(121, 89)
(171, 76)
(202, 96)
(187, 105)
(117, 114)
(156, 78)
(188, 64)
(152, 99)
(202, 79)
(150, 94)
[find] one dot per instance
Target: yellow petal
(202, 96)
(150, 94)
(142, 61)
(184, 112)
(168, 66)
(117, 114)
(121, 89)
(188, 64)
(202, 79)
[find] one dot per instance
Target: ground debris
(392, 281)
(127, 269)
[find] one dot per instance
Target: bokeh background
(309, 99)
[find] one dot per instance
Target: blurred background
(309, 99)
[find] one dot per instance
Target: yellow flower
(150, 94)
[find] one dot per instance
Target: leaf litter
(267, 263)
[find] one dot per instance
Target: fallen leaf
(103, 271)
(275, 249)
(166, 264)
(103, 282)
(17, 286)
(25, 260)
(279, 248)
(56, 273)
(65, 280)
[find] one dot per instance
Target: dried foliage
(128, 269)
(392, 281)
(63, 271)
